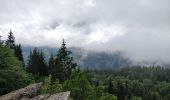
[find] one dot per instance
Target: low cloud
(138, 27)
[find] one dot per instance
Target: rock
(32, 92)
(60, 96)
(24, 93)
(41, 97)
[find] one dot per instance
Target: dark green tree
(12, 75)
(42, 64)
(64, 64)
(1, 42)
(110, 87)
(51, 63)
(18, 53)
(79, 86)
(10, 42)
(36, 63)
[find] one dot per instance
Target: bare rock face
(60, 96)
(57, 96)
(24, 93)
(41, 97)
(32, 92)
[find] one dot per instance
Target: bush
(12, 74)
(51, 87)
(79, 86)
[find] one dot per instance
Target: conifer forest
(61, 73)
(84, 49)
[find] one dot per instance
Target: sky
(140, 28)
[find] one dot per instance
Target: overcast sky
(141, 28)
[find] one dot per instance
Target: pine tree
(36, 63)
(64, 64)
(18, 53)
(110, 87)
(51, 63)
(12, 75)
(42, 64)
(11, 41)
(1, 42)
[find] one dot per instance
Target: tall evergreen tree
(12, 75)
(36, 63)
(11, 41)
(110, 87)
(18, 53)
(43, 70)
(64, 64)
(51, 63)
(1, 40)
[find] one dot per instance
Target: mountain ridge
(85, 58)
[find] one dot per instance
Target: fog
(140, 28)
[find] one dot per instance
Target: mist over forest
(84, 49)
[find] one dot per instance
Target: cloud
(138, 27)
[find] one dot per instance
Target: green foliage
(132, 83)
(51, 87)
(167, 97)
(51, 63)
(79, 86)
(136, 98)
(138, 88)
(18, 53)
(106, 96)
(63, 64)
(11, 41)
(122, 88)
(110, 87)
(36, 63)
(12, 75)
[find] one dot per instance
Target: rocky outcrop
(58, 96)
(27, 92)
(32, 92)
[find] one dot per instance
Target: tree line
(134, 83)
(59, 66)
(60, 73)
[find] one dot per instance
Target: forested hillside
(90, 59)
(60, 72)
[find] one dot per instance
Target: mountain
(87, 59)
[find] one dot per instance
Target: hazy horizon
(140, 28)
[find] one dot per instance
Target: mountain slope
(84, 58)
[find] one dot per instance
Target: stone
(60, 96)
(41, 97)
(32, 92)
(24, 93)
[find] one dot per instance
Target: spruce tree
(36, 63)
(12, 75)
(1, 42)
(11, 41)
(51, 63)
(43, 70)
(18, 53)
(110, 87)
(64, 64)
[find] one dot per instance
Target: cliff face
(32, 92)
